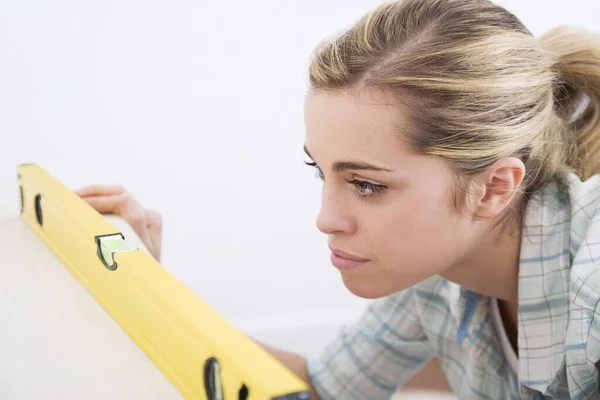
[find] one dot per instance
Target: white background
(196, 107)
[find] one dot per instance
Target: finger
(100, 190)
(105, 204)
(154, 227)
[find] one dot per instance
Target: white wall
(196, 107)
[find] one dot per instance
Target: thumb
(135, 215)
(154, 228)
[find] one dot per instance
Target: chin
(376, 287)
(368, 289)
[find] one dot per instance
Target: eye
(366, 188)
(313, 164)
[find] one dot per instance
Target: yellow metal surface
(176, 329)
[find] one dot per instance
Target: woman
(460, 157)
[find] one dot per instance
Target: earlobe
(501, 183)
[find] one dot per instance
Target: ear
(498, 186)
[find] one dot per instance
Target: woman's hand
(114, 199)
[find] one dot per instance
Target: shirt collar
(468, 309)
(544, 288)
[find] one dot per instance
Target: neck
(492, 268)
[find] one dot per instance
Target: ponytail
(577, 94)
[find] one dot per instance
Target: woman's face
(387, 211)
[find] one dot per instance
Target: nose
(334, 216)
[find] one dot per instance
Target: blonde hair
(478, 85)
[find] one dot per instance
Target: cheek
(420, 238)
(407, 247)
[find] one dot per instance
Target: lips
(346, 261)
(347, 256)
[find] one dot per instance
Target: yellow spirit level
(202, 355)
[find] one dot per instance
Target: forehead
(359, 125)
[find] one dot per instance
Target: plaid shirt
(559, 319)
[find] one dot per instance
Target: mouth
(346, 261)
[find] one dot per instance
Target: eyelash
(313, 164)
(365, 185)
(358, 184)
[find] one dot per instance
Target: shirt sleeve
(373, 357)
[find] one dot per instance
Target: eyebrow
(341, 166)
